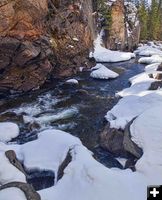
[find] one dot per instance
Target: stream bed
(77, 109)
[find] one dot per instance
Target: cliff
(40, 38)
(124, 31)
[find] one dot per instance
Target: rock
(82, 92)
(22, 19)
(155, 85)
(75, 24)
(128, 144)
(119, 143)
(124, 31)
(26, 64)
(10, 154)
(159, 76)
(63, 165)
(117, 39)
(119, 70)
(37, 35)
(28, 190)
(130, 163)
(112, 140)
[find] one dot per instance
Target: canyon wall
(124, 31)
(43, 38)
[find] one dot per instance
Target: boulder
(10, 154)
(118, 142)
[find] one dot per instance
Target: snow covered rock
(146, 50)
(146, 133)
(132, 106)
(85, 178)
(102, 72)
(72, 81)
(102, 54)
(9, 173)
(152, 67)
(48, 151)
(12, 193)
(26, 188)
(8, 131)
(139, 83)
(150, 60)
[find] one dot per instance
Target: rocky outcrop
(124, 31)
(116, 39)
(40, 38)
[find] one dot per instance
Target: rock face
(117, 33)
(125, 29)
(118, 142)
(42, 37)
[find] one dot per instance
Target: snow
(72, 81)
(48, 151)
(139, 83)
(122, 161)
(131, 106)
(102, 72)
(150, 60)
(8, 131)
(9, 173)
(149, 49)
(75, 39)
(146, 131)
(102, 54)
(12, 193)
(152, 67)
(85, 178)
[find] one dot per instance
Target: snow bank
(85, 178)
(146, 131)
(102, 72)
(148, 51)
(12, 193)
(131, 106)
(8, 131)
(150, 60)
(139, 83)
(102, 54)
(152, 67)
(9, 173)
(48, 151)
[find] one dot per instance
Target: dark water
(84, 106)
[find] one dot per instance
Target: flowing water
(77, 109)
